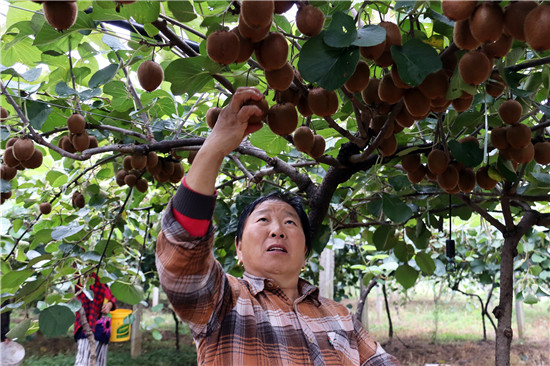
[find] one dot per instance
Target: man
(271, 316)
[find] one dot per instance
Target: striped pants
(83, 352)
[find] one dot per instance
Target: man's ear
(238, 248)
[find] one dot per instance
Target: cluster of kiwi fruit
(78, 199)
(77, 139)
(61, 15)
(513, 138)
(163, 169)
(150, 75)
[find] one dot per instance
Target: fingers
(248, 111)
(252, 127)
(242, 95)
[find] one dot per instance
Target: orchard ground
(449, 333)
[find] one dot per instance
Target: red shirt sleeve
(192, 210)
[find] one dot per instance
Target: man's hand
(106, 308)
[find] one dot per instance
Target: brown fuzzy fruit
(518, 135)
(523, 155)
(487, 22)
(469, 139)
(416, 103)
(67, 145)
(264, 107)
(23, 149)
(378, 122)
(280, 79)
(303, 107)
(289, 95)
(449, 178)
(150, 75)
(510, 111)
(484, 180)
(130, 180)
(119, 177)
(359, 79)
(272, 52)
(466, 180)
(282, 119)
(212, 116)
(93, 142)
(61, 15)
(223, 47)
(370, 93)
(437, 161)
(257, 14)
(3, 114)
(322, 102)
(81, 141)
(393, 34)
(142, 185)
(152, 159)
(411, 162)
(435, 85)
(417, 175)
(254, 35)
(34, 161)
(542, 152)
(76, 123)
(449, 60)
(457, 10)
(318, 148)
(514, 17)
(388, 92)
(385, 59)
(310, 20)
(373, 52)
(404, 118)
(495, 85)
(499, 48)
(463, 103)
(139, 161)
(246, 47)
(178, 173)
(462, 36)
(388, 146)
(45, 208)
(79, 200)
(11, 141)
(127, 163)
(439, 105)
(498, 138)
(7, 173)
(397, 78)
(303, 139)
(474, 67)
(537, 24)
(282, 6)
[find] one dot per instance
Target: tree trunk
(363, 299)
(520, 318)
(90, 334)
(135, 342)
(176, 320)
(390, 326)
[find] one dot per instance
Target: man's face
(273, 243)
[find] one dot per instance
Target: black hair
(293, 200)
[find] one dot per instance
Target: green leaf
(341, 32)
(62, 232)
(143, 11)
(423, 235)
(267, 140)
(63, 90)
(103, 76)
(113, 42)
(55, 320)
(32, 74)
(156, 334)
(467, 153)
(187, 75)
(48, 34)
(425, 262)
(20, 330)
(403, 251)
(370, 35)
(121, 99)
(383, 238)
(506, 168)
(530, 299)
(182, 10)
(52, 175)
(37, 113)
(406, 276)
(415, 60)
(395, 209)
(327, 66)
(127, 293)
(14, 279)
(542, 177)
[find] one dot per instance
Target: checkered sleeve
(366, 347)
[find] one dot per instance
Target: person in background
(270, 316)
(103, 302)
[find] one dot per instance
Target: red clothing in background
(93, 307)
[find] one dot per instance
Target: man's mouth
(276, 248)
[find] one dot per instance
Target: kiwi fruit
(370, 93)
(388, 146)
(152, 159)
(387, 91)
(373, 52)
(254, 35)
(142, 185)
(119, 177)
(410, 162)
(272, 52)
(518, 135)
(510, 111)
(222, 47)
(3, 114)
(289, 95)
(67, 145)
(34, 161)
(397, 81)
(385, 59)
(416, 176)
(441, 107)
(303, 106)
(474, 67)
(448, 179)
(11, 141)
(463, 103)
(542, 152)
(7, 173)
(76, 123)
(167, 166)
(282, 119)
(127, 163)
(79, 200)
(191, 157)
(449, 60)
(264, 107)
(93, 142)
(280, 79)
(282, 6)
(514, 18)
(462, 36)
(404, 118)
(499, 48)
(393, 34)
(130, 180)
(495, 85)
(537, 24)
(61, 15)
(303, 139)
(469, 139)
(523, 155)
(45, 208)
(484, 180)
(257, 14)
(378, 122)
(246, 47)
(81, 141)
(138, 161)
(310, 20)
(466, 180)
(498, 138)
(359, 79)
(151, 75)
(178, 173)
(417, 104)
(322, 102)
(487, 22)
(457, 10)
(318, 148)
(437, 161)
(212, 116)
(23, 149)
(435, 85)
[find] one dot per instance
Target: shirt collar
(258, 284)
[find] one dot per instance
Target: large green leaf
(182, 10)
(425, 262)
(48, 34)
(468, 153)
(341, 32)
(127, 293)
(370, 35)
(142, 11)
(327, 66)
(14, 279)
(62, 232)
(103, 76)
(406, 276)
(55, 320)
(384, 238)
(395, 209)
(266, 140)
(20, 330)
(188, 75)
(415, 60)
(403, 251)
(37, 113)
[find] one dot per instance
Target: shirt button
(310, 339)
(269, 284)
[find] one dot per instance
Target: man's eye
(291, 222)
(262, 219)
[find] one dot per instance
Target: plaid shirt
(93, 308)
(250, 321)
